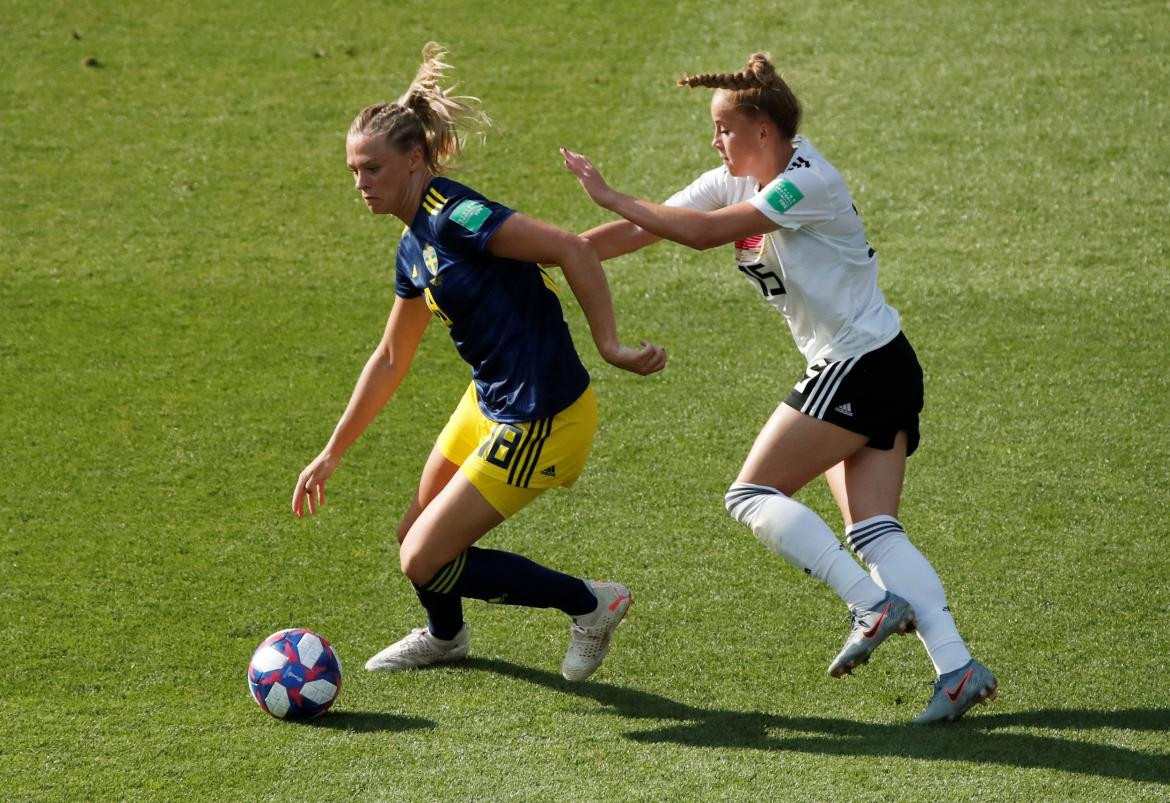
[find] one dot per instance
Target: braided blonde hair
(425, 115)
(757, 88)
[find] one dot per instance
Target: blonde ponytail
(425, 115)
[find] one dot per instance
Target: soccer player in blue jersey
(527, 420)
(853, 415)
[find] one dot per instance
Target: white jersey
(817, 269)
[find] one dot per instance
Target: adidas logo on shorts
(551, 471)
(845, 409)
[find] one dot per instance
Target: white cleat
(589, 635)
(420, 649)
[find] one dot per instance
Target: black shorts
(878, 394)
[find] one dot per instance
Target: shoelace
(856, 620)
(590, 638)
(418, 642)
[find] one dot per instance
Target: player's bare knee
(418, 567)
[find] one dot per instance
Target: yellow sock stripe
(438, 578)
(447, 578)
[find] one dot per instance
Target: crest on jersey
(431, 259)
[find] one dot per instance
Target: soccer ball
(294, 674)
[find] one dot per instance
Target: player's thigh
(454, 520)
(437, 472)
(515, 462)
(838, 407)
(869, 482)
(794, 448)
(458, 439)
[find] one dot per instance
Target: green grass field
(189, 287)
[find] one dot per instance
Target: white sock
(802, 538)
(897, 565)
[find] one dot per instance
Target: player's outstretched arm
(617, 238)
(690, 227)
(529, 240)
(380, 378)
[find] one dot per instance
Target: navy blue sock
(444, 613)
(510, 579)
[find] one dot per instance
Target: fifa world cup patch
(783, 196)
(470, 214)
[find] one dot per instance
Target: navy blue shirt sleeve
(403, 265)
(467, 224)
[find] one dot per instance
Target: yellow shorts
(512, 464)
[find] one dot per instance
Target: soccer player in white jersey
(853, 416)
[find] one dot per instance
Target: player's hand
(589, 176)
(311, 484)
(649, 359)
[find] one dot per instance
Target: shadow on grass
(977, 739)
(368, 721)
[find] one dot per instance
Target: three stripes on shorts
(825, 386)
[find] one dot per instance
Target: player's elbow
(574, 248)
(386, 363)
(383, 356)
(704, 238)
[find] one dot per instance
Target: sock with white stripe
(801, 537)
(896, 564)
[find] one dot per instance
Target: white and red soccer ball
(294, 674)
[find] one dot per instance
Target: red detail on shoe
(954, 695)
(614, 605)
(749, 242)
(873, 630)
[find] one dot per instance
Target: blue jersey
(503, 315)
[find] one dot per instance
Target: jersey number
(501, 449)
(770, 284)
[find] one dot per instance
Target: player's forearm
(681, 225)
(379, 379)
(586, 279)
(618, 237)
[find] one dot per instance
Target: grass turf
(190, 287)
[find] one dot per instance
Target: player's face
(735, 136)
(381, 172)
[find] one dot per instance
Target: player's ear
(764, 131)
(415, 158)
